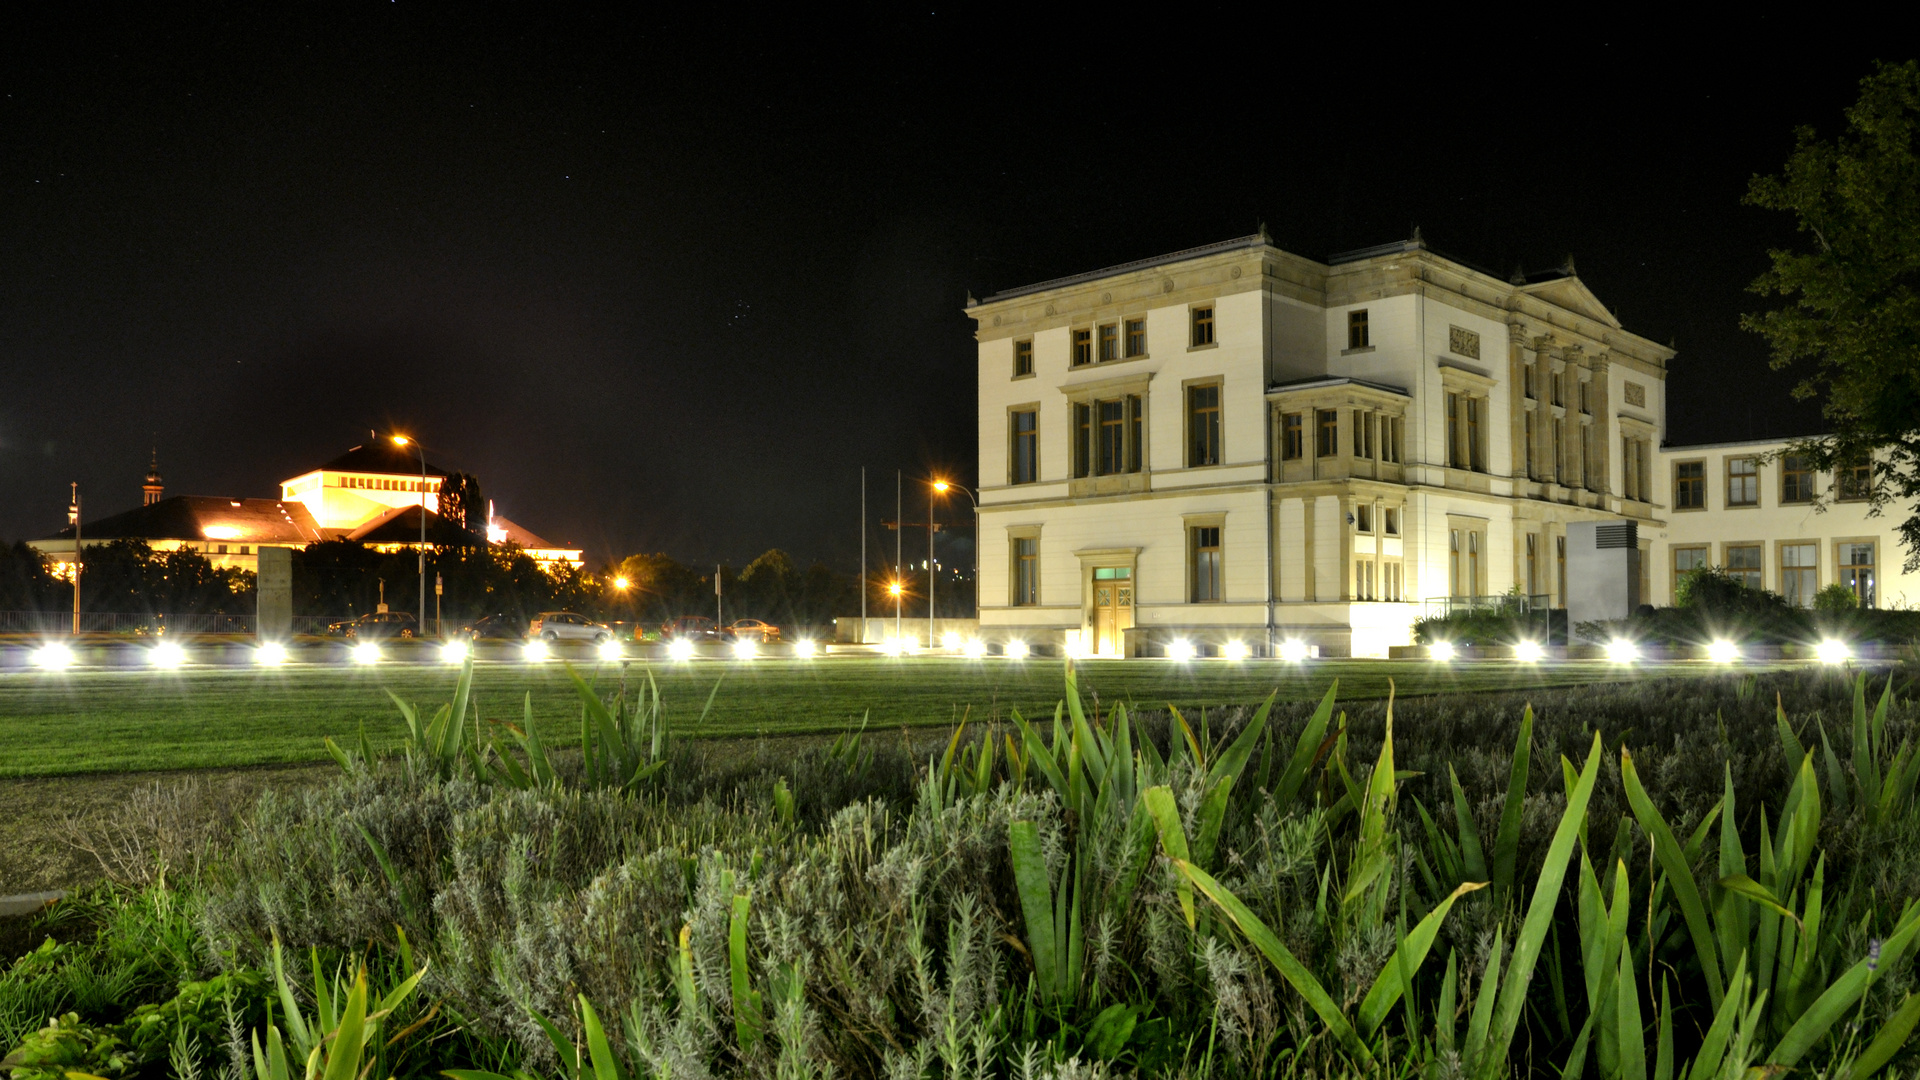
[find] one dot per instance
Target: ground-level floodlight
(167, 654)
(1236, 650)
(1529, 652)
(1293, 650)
(975, 648)
(952, 640)
(680, 648)
(610, 651)
(1017, 649)
(53, 656)
(455, 652)
(1722, 651)
(1441, 651)
(1833, 651)
(1180, 649)
(1622, 651)
(806, 647)
(366, 653)
(745, 649)
(535, 650)
(270, 654)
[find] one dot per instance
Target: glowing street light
(806, 648)
(1529, 652)
(1293, 650)
(455, 652)
(366, 653)
(167, 654)
(680, 648)
(1017, 649)
(610, 650)
(271, 654)
(1237, 650)
(621, 583)
(403, 442)
(1441, 651)
(1622, 651)
(1180, 649)
(535, 650)
(1722, 651)
(1833, 651)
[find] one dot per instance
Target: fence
(120, 622)
(1439, 607)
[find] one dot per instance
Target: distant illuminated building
(373, 495)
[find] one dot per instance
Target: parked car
(691, 628)
(496, 627)
(566, 626)
(377, 626)
(754, 630)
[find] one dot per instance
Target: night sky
(668, 286)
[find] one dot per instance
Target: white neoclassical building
(1234, 443)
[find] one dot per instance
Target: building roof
(1258, 239)
(401, 525)
(206, 517)
(1312, 382)
(514, 534)
(381, 456)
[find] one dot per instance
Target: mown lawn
(88, 721)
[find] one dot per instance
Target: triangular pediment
(1572, 294)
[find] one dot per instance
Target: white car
(566, 626)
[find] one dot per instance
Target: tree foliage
(462, 504)
(1852, 307)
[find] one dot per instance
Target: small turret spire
(153, 489)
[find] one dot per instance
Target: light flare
(167, 654)
(53, 656)
(1293, 650)
(1441, 650)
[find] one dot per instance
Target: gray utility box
(273, 587)
(1603, 570)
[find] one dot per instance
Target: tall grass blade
(1506, 843)
(1679, 879)
(1400, 969)
(1036, 902)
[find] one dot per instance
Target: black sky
(667, 286)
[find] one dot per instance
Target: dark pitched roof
(206, 517)
(515, 534)
(381, 456)
(401, 525)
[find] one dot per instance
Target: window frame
(1796, 484)
(1326, 436)
(1201, 331)
(1192, 413)
(1728, 547)
(1106, 342)
(1128, 337)
(1846, 572)
(1845, 487)
(1023, 350)
(1293, 436)
(1682, 483)
(1674, 573)
(1023, 562)
(1359, 329)
(1080, 347)
(1726, 468)
(1014, 438)
(1780, 549)
(1197, 550)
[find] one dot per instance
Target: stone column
(1603, 425)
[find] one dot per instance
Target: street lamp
(403, 441)
(943, 487)
(894, 588)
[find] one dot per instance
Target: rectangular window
(1856, 571)
(1293, 437)
(1022, 358)
(1363, 517)
(1690, 485)
(1454, 579)
(1799, 573)
(1109, 342)
(1475, 460)
(1203, 425)
(1136, 337)
(1390, 439)
(1856, 481)
(1026, 571)
(1560, 567)
(1532, 473)
(1358, 336)
(1082, 347)
(222, 551)
(1558, 455)
(1136, 420)
(1362, 579)
(1391, 518)
(1453, 430)
(1796, 479)
(1744, 564)
(1203, 326)
(1110, 455)
(1685, 561)
(1026, 446)
(1743, 482)
(1206, 564)
(1473, 564)
(1329, 442)
(1082, 439)
(1390, 581)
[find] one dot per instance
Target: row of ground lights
(55, 655)
(1623, 651)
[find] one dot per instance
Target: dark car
(377, 625)
(495, 627)
(691, 628)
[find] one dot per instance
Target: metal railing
(1439, 607)
(143, 625)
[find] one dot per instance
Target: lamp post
(943, 487)
(896, 590)
(402, 440)
(73, 514)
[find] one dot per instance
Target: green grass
(92, 721)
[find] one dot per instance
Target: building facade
(1236, 444)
